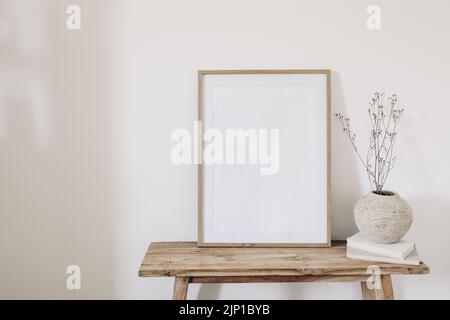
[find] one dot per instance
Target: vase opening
(384, 193)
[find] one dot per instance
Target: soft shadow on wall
(56, 192)
(347, 187)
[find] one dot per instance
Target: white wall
(86, 118)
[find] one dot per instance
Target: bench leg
(180, 288)
(388, 292)
(385, 291)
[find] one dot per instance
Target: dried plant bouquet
(380, 159)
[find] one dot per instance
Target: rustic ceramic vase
(383, 218)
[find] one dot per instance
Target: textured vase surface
(383, 218)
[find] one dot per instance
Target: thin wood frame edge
(329, 168)
(263, 71)
(262, 245)
(200, 165)
(200, 231)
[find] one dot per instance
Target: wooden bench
(191, 264)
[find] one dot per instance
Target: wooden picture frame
(325, 230)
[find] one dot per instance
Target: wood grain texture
(185, 259)
(200, 167)
(180, 288)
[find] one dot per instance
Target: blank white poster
(277, 193)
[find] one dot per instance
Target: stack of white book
(402, 252)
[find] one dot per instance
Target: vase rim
(386, 193)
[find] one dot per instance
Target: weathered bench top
(185, 259)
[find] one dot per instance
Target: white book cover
(412, 259)
(399, 250)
